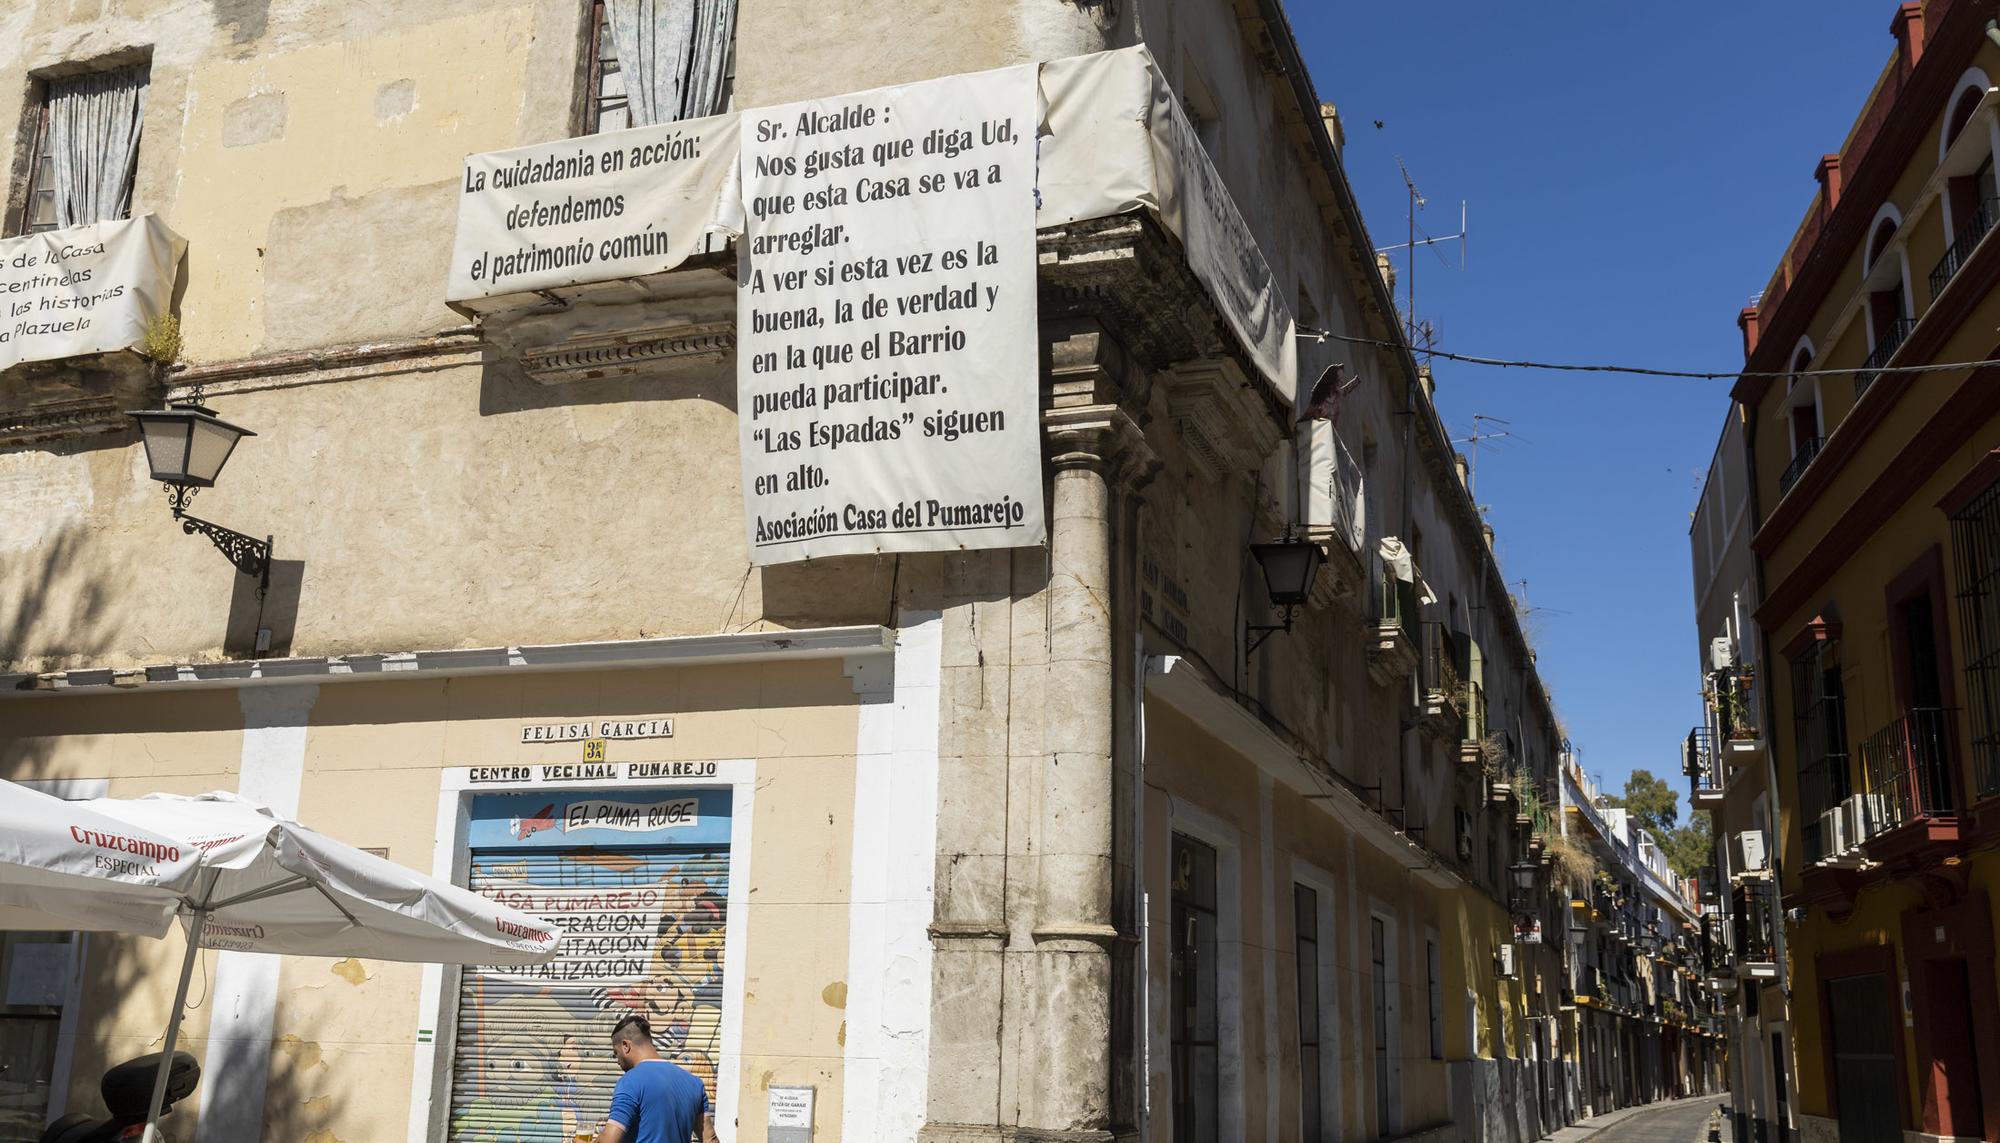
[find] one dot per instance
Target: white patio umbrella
(267, 884)
(65, 866)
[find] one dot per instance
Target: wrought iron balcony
(1908, 763)
(1887, 342)
(1699, 763)
(1808, 449)
(1963, 243)
(1753, 919)
(1732, 695)
(1824, 783)
(1400, 608)
(1444, 690)
(1394, 644)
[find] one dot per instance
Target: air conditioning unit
(1721, 653)
(1503, 960)
(1834, 833)
(1867, 815)
(1747, 852)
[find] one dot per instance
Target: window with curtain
(659, 61)
(86, 149)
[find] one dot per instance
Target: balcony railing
(1887, 342)
(1963, 243)
(1808, 449)
(1908, 763)
(1475, 713)
(1399, 605)
(1701, 766)
(1441, 656)
(1754, 921)
(1732, 694)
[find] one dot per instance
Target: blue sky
(1633, 173)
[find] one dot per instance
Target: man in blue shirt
(655, 1102)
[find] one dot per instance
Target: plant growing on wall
(162, 341)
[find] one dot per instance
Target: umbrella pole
(174, 1026)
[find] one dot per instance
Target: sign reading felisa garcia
(886, 372)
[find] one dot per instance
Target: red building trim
(1958, 932)
(1868, 180)
(1964, 413)
(1976, 480)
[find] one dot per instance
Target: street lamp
(186, 447)
(1289, 565)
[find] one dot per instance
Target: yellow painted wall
(345, 1030)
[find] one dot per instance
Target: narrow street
(1682, 1121)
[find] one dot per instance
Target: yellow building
(1081, 839)
(1874, 504)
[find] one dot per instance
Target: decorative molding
(629, 351)
(1221, 417)
(87, 416)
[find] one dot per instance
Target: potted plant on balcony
(1742, 724)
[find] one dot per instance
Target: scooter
(127, 1090)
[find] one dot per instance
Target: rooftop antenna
(1417, 202)
(1479, 421)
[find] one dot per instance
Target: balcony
(1472, 732)
(1823, 785)
(1801, 459)
(1443, 689)
(1699, 764)
(1887, 342)
(1394, 642)
(1908, 764)
(1732, 694)
(1963, 243)
(1754, 926)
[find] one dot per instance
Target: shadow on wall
(57, 601)
(127, 994)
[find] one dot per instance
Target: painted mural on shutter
(638, 885)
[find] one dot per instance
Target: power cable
(1639, 370)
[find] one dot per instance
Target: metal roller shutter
(642, 933)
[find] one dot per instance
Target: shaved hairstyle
(633, 1030)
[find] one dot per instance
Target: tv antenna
(1479, 421)
(1417, 203)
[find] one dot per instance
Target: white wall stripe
(244, 996)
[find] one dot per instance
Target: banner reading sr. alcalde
(886, 365)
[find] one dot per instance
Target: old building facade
(1049, 842)
(1870, 498)
(1732, 777)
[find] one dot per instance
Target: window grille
(1975, 534)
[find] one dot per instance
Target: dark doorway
(1864, 1027)
(1951, 1089)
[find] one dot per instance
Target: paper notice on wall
(85, 289)
(887, 373)
(596, 208)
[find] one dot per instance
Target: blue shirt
(657, 1102)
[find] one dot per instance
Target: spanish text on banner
(85, 289)
(886, 367)
(623, 204)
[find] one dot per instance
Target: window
(85, 149)
(1975, 537)
(1197, 1076)
(1819, 708)
(1382, 981)
(1434, 974)
(1312, 1110)
(35, 972)
(657, 61)
(1890, 318)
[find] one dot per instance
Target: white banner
(596, 208)
(86, 289)
(887, 373)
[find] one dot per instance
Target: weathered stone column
(1095, 445)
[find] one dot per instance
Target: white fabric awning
(66, 866)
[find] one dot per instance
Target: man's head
(632, 1041)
